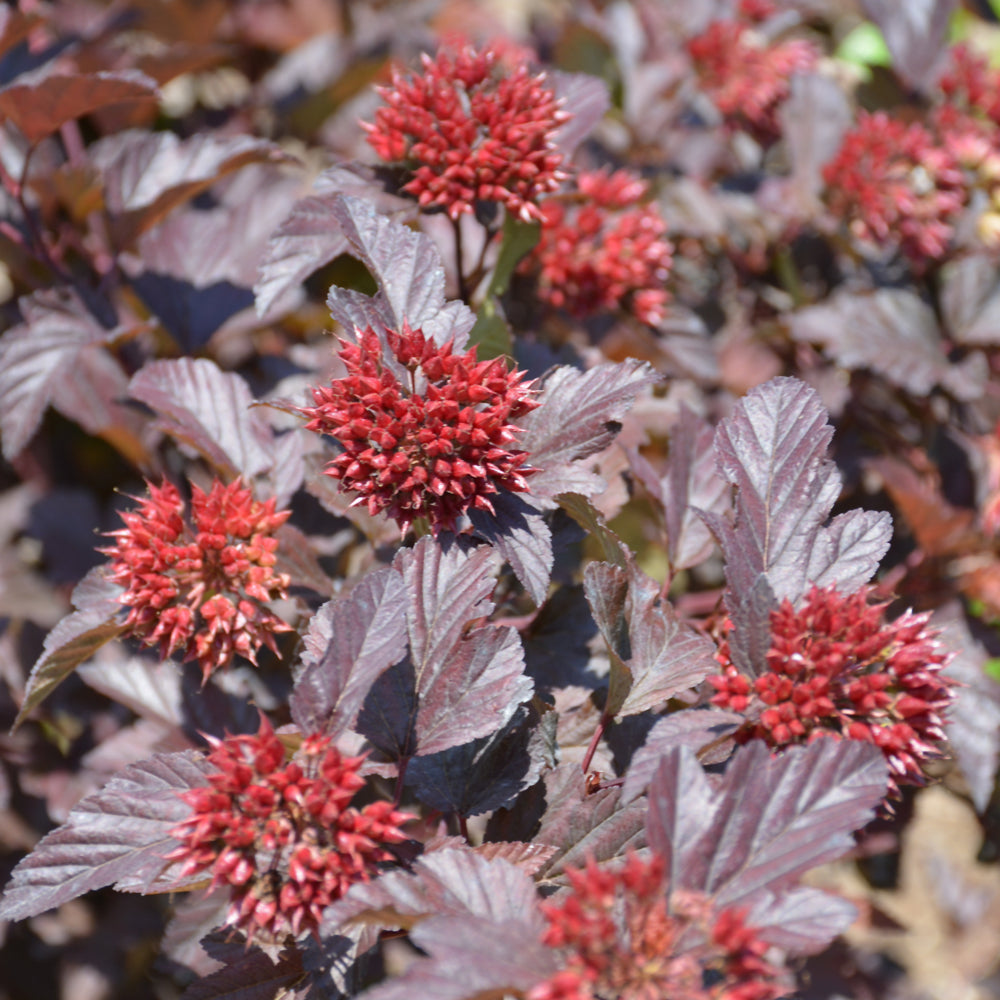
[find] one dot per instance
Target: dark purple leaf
(801, 921)
(457, 684)
(581, 825)
(694, 729)
(296, 556)
(579, 417)
(891, 332)
(768, 821)
(471, 959)
(972, 724)
(253, 975)
(653, 654)
(458, 883)
(772, 448)
(75, 639)
(690, 481)
(587, 99)
(351, 640)
(556, 650)
(517, 530)
(530, 858)
(915, 33)
(39, 108)
(38, 358)
(407, 269)
(488, 773)
(813, 120)
(311, 235)
(209, 410)
(116, 836)
(147, 174)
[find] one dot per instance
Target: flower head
(199, 587)
(282, 834)
(894, 184)
(837, 668)
(624, 937)
(603, 249)
(747, 78)
(971, 84)
(426, 433)
(470, 130)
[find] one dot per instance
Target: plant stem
(594, 740)
(456, 225)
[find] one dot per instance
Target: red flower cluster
(605, 250)
(837, 668)
(200, 588)
(625, 939)
(747, 78)
(432, 448)
(282, 834)
(471, 132)
(894, 184)
(971, 84)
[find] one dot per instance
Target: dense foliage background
(746, 256)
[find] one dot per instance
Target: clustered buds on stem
(200, 587)
(893, 183)
(624, 937)
(427, 433)
(470, 130)
(746, 77)
(601, 248)
(837, 669)
(282, 834)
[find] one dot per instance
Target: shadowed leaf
(915, 34)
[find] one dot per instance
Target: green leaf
(491, 334)
(864, 46)
(613, 549)
(519, 239)
(992, 668)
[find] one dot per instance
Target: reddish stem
(594, 740)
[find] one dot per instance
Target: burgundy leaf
(195, 269)
(915, 33)
(117, 835)
(582, 825)
(587, 99)
(457, 684)
(75, 639)
(152, 690)
(296, 554)
(891, 332)
(695, 729)
(973, 721)
(768, 821)
(517, 530)
(970, 300)
(690, 482)
(579, 417)
(801, 921)
(38, 358)
(593, 522)
(530, 858)
(813, 120)
(197, 914)
(15, 26)
(147, 174)
(351, 640)
(407, 269)
(209, 410)
(450, 882)
(653, 654)
(471, 959)
(311, 235)
(39, 108)
(253, 975)
(488, 773)
(772, 448)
